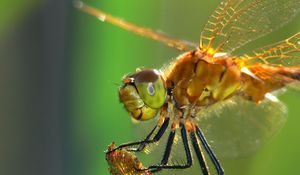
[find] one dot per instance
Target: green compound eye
(151, 88)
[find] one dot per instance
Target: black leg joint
(147, 140)
(163, 165)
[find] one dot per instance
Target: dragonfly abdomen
(267, 78)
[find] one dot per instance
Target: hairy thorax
(196, 80)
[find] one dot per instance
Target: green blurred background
(59, 69)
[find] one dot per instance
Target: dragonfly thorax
(198, 82)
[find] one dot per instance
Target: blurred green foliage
(102, 54)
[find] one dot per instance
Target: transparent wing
(283, 53)
(237, 127)
(237, 22)
(145, 32)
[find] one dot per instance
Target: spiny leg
(199, 154)
(145, 32)
(209, 152)
(163, 164)
(147, 140)
(156, 138)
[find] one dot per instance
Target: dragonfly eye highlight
(151, 89)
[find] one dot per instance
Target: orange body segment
(198, 82)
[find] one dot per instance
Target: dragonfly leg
(199, 154)
(210, 153)
(163, 164)
(142, 144)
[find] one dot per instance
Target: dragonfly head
(143, 93)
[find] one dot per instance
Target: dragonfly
(208, 91)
